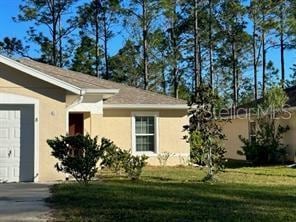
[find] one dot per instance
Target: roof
(246, 108)
(127, 95)
(291, 93)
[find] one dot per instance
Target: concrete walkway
(24, 202)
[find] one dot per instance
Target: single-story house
(39, 102)
(242, 123)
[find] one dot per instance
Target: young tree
(205, 134)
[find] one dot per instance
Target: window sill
(149, 154)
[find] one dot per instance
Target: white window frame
(250, 134)
(156, 133)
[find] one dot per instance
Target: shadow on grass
(234, 164)
(122, 200)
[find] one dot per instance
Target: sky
(9, 9)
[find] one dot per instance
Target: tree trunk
(97, 51)
(263, 58)
(60, 43)
(175, 51)
(107, 76)
(145, 44)
(54, 32)
(211, 46)
(196, 49)
(234, 73)
(282, 45)
(263, 64)
(255, 60)
(163, 83)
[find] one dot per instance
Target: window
(252, 131)
(145, 132)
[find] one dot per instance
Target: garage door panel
(4, 152)
(4, 133)
(3, 173)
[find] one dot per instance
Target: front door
(76, 125)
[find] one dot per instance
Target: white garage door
(16, 143)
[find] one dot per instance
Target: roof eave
(39, 75)
(146, 106)
(55, 81)
(106, 93)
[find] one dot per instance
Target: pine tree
(95, 21)
(85, 57)
(125, 65)
(236, 40)
(49, 14)
(139, 18)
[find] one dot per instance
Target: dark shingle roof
(126, 95)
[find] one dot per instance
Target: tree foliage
(205, 134)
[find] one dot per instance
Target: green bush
(133, 165)
(113, 157)
(78, 156)
(117, 159)
(267, 147)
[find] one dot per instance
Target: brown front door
(76, 124)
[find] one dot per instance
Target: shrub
(133, 165)
(117, 159)
(78, 156)
(266, 147)
(113, 157)
(163, 158)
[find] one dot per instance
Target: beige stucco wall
(117, 126)
(113, 124)
(232, 130)
(237, 127)
(52, 115)
(289, 137)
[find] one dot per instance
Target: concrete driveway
(24, 202)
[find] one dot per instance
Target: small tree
(205, 134)
(267, 147)
(78, 155)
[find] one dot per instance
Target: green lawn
(177, 194)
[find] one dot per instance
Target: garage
(16, 143)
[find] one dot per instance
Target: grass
(177, 194)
